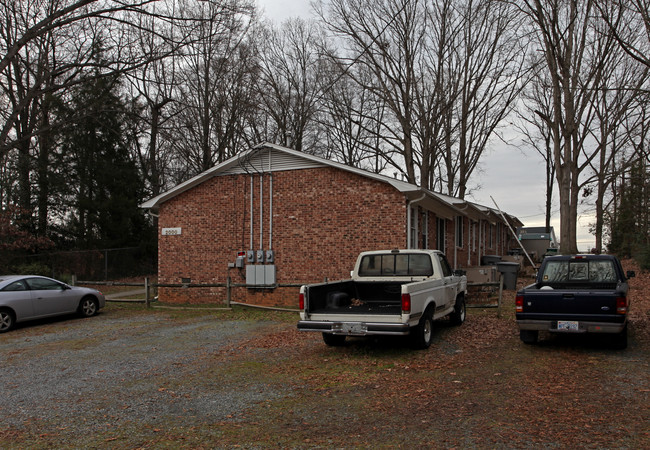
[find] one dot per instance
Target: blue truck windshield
(594, 271)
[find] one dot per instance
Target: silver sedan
(27, 297)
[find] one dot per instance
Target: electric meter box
(260, 275)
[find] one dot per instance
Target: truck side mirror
(630, 274)
(459, 272)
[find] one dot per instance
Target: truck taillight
(519, 303)
(406, 303)
(621, 305)
(301, 301)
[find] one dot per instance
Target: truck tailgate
(574, 304)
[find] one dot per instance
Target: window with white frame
(472, 229)
(413, 235)
(425, 229)
(459, 231)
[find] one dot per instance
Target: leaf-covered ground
(477, 386)
(176, 383)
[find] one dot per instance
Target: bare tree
(574, 52)
(619, 117)
(289, 87)
(216, 84)
(487, 76)
(385, 39)
(74, 27)
(448, 72)
(536, 132)
(152, 87)
(629, 21)
(351, 120)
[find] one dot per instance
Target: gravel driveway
(136, 378)
(66, 379)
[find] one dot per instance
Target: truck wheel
(334, 340)
(620, 339)
(422, 333)
(528, 336)
(458, 316)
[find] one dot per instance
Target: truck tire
(458, 315)
(334, 340)
(528, 336)
(422, 333)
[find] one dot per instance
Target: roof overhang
(431, 201)
(444, 206)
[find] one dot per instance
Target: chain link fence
(100, 264)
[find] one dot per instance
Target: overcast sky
(513, 175)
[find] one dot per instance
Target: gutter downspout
(408, 217)
(251, 214)
(270, 204)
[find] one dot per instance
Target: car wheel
(88, 307)
(334, 340)
(422, 333)
(528, 336)
(620, 339)
(7, 320)
(458, 316)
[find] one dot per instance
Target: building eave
(445, 206)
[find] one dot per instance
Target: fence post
(228, 291)
(73, 282)
(146, 292)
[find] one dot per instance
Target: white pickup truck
(392, 292)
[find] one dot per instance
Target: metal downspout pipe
(408, 218)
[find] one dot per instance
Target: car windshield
(396, 265)
(595, 271)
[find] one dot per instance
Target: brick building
(296, 218)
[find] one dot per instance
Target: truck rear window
(396, 265)
(593, 271)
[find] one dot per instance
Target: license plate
(567, 325)
(351, 328)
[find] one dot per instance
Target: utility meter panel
(250, 256)
(260, 256)
(270, 256)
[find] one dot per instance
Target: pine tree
(104, 186)
(630, 230)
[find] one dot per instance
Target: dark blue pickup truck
(575, 294)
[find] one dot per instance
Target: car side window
(42, 284)
(15, 286)
(446, 268)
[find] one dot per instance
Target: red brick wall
(322, 219)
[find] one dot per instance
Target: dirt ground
(248, 379)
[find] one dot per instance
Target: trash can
(509, 272)
(490, 260)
